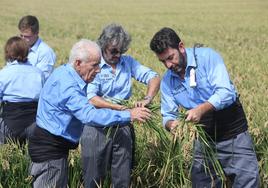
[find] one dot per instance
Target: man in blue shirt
(63, 109)
(102, 149)
(40, 54)
(19, 100)
(197, 80)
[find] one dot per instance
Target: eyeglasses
(26, 36)
(115, 51)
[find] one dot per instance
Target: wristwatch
(148, 98)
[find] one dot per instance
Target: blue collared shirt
(119, 85)
(63, 106)
(20, 82)
(213, 85)
(42, 56)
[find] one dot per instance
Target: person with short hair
(63, 110)
(20, 87)
(40, 54)
(104, 150)
(198, 81)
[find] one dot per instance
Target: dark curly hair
(16, 49)
(163, 39)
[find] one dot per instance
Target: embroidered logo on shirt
(178, 89)
(106, 77)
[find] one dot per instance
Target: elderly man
(40, 54)
(198, 81)
(104, 150)
(63, 108)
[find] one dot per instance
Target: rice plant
(14, 162)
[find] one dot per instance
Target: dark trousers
(51, 173)
(104, 150)
(6, 134)
(17, 120)
(237, 158)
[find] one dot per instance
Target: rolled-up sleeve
(169, 109)
(140, 72)
(224, 92)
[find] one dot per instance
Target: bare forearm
(153, 86)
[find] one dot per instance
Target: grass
(237, 29)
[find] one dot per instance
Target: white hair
(82, 51)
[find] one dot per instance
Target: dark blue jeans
(237, 158)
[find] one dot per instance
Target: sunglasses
(115, 51)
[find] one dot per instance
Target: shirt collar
(103, 62)
(36, 44)
(190, 58)
(12, 63)
(82, 84)
(191, 63)
(15, 62)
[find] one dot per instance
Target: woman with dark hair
(20, 86)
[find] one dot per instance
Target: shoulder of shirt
(66, 73)
(61, 75)
(44, 47)
(20, 69)
(204, 51)
(127, 58)
(166, 75)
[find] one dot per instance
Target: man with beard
(198, 81)
(102, 149)
(40, 54)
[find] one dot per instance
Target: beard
(111, 60)
(180, 68)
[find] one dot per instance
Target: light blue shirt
(63, 106)
(213, 85)
(119, 85)
(42, 56)
(20, 82)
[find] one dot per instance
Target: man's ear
(77, 64)
(181, 47)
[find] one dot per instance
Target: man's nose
(168, 64)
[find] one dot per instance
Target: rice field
(237, 29)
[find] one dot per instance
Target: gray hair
(80, 50)
(116, 35)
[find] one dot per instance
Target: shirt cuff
(91, 95)
(216, 102)
(125, 116)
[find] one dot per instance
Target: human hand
(140, 114)
(194, 115)
(143, 103)
(171, 125)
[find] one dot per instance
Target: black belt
(45, 146)
(225, 124)
(17, 116)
